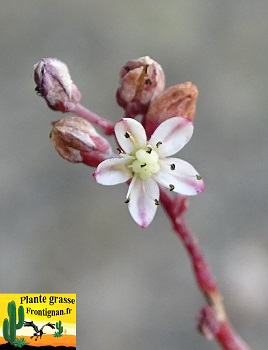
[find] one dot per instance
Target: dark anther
(158, 144)
(148, 81)
(171, 187)
(127, 200)
(156, 202)
(198, 177)
(143, 165)
(149, 150)
(172, 166)
(127, 136)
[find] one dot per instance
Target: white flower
(145, 163)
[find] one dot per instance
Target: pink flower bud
(76, 140)
(54, 83)
(142, 80)
(177, 101)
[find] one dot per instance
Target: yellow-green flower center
(145, 163)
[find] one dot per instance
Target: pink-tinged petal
(113, 171)
(130, 134)
(179, 176)
(172, 135)
(143, 200)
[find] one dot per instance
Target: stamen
(171, 187)
(198, 177)
(172, 166)
(127, 200)
(149, 150)
(156, 202)
(127, 136)
(143, 165)
(158, 144)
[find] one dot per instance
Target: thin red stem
(229, 339)
(102, 123)
(214, 324)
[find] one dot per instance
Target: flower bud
(54, 83)
(76, 140)
(176, 101)
(141, 81)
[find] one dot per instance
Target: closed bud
(54, 83)
(176, 101)
(141, 81)
(76, 140)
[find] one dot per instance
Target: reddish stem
(213, 321)
(229, 339)
(225, 335)
(102, 123)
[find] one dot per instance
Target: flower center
(145, 163)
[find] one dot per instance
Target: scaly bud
(141, 81)
(54, 83)
(176, 101)
(76, 140)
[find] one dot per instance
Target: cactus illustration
(10, 326)
(20, 342)
(59, 328)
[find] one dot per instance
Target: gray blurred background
(61, 232)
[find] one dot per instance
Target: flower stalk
(105, 125)
(213, 322)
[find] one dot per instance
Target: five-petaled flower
(146, 164)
